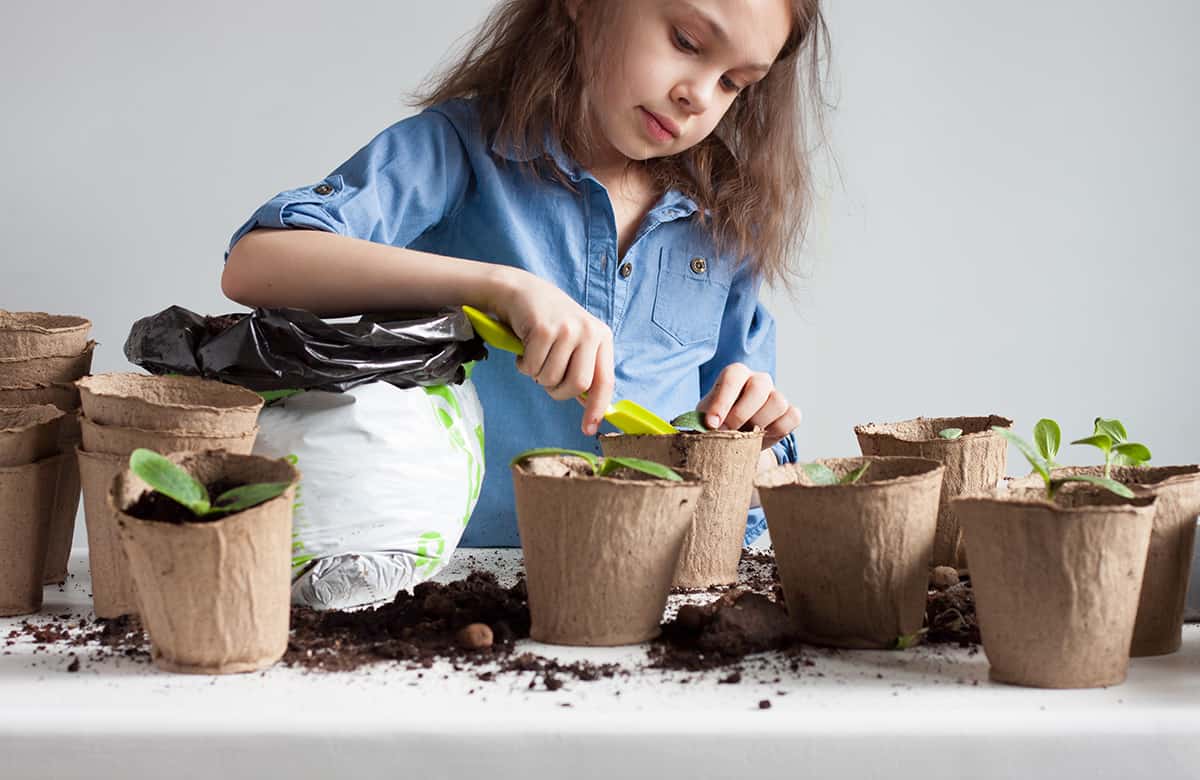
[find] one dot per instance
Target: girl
(612, 178)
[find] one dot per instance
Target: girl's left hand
(742, 396)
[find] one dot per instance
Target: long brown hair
(753, 173)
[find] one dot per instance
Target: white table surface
(927, 712)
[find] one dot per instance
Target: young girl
(612, 178)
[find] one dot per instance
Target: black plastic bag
(293, 349)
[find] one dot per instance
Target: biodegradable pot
(600, 552)
(854, 559)
(31, 334)
(974, 462)
(28, 433)
(50, 369)
(113, 592)
(118, 440)
(66, 503)
(169, 403)
(63, 395)
(1159, 626)
(214, 596)
(726, 462)
(26, 502)
(1057, 584)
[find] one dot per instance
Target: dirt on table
(950, 612)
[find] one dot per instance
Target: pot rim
(880, 430)
(930, 469)
(252, 400)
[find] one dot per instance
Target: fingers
(601, 391)
(755, 395)
(781, 426)
(724, 395)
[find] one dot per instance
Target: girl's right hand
(568, 351)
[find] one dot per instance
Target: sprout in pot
(1110, 437)
(606, 467)
(178, 497)
(1048, 436)
(820, 474)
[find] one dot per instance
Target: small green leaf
(950, 433)
(690, 421)
(1132, 454)
(1111, 428)
(909, 640)
(856, 475)
(820, 474)
(247, 496)
(1031, 455)
(1101, 441)
(170, 480)
(1111, 484)
(1048, 438)
(592, 459)
(639, 464)
(271, 396)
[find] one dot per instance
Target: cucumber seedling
(603, 467)
(181, 487)
(1047, 437)
(1110, 437)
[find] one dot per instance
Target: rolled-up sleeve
(747, 336)
(405, 181)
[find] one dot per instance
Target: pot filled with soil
(169, 403)
(26, 505)
(213, 573)
(1159, 626)
(974, 455)
(852, 540)
(1057, 581)
(35, 334)
(66, 503)
(601, 545)
(726, 462)
(28, 433)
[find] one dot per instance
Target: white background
(1005, 223)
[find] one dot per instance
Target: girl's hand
(741, 396)
(567, 350)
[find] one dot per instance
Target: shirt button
(626, 270)
(322, 189)
(699, 265)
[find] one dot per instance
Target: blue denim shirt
(432, 182)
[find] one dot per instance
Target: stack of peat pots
(41, 355)
(122, 412)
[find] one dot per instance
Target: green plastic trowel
(626, 416)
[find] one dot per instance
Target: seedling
(690, 421)
(821, 474)
(1048, 436)
(950, 433)
(906, 641)
(179, 486)
(1110, 437)
(603, 467)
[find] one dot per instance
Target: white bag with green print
(389, 478)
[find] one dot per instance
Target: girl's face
(670, 69)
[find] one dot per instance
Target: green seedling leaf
(1031, 455)
(592, 459)
(1113, 429)
(170, 480)
(1131, 454)
(819, 473)
(690, 421)
(950, 433)
(638, 464)
(909, 640)
(271, 396)
(856, 475)
(1048, 438)
(1111, 484)
(1101, 441)
(246, 496)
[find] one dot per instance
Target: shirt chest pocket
(690, 298)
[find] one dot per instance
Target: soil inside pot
(159, 508)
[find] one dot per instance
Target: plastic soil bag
(379, 416)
